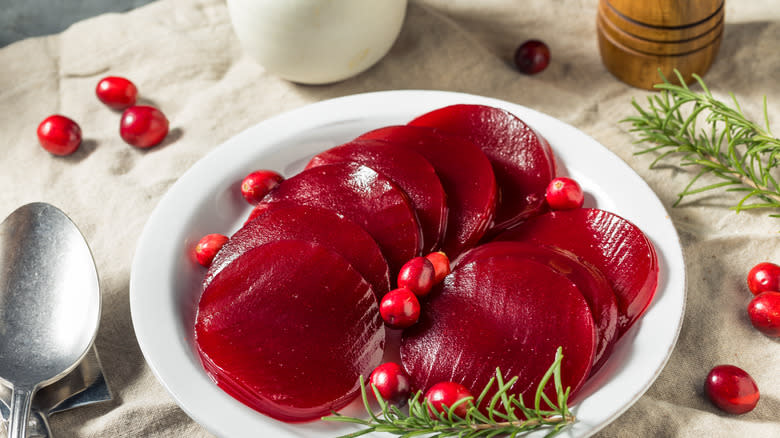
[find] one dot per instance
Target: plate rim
(148, 338)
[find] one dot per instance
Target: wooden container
(667, 13)
(654, 32)
(655, 47)
(637, 38)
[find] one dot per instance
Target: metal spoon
(49, 303)
(85, 385)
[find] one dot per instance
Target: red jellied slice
(589, 280)
(410, 171)
(550, 155)
(311, 224)
(361, 195)
(287, 328)
(465, 174)
(501, 312)
(612, 244)
(520, 161)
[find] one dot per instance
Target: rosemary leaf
(730, 147)
(502, 417)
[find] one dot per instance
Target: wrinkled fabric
(185, 59)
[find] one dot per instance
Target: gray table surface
(21, 19)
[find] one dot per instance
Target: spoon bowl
(49, 303)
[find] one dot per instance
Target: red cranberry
(392, 382)
(441, 265)
(400, 308)
(258, 183)
(764, 312)
(564, 194)
(764, 277)
(59, 135)
(447, 393)
(731, 389)
(417, 275)
(532, 57)
(143, 126)
(116, 92)
(208, 247)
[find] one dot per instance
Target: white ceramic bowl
(165, 282)
(316, 41)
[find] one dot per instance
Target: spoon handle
(38, 425)
(20, 410)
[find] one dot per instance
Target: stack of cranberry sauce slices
(289, 318)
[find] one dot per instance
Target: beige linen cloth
(185, 59)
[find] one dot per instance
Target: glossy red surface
(363, 196)
(505, 312)
(589, 280)
(257, 184)
(310, 224)
(208, 247)
(406, 168)
(564, 194)
(520, 161)
(447, 394)
(548, 150)
(116, 92)
(764, 313)
(764, 277)
(400, 308)
(143, 126)
(392, 382)
(612, 244)
(287, 328)
(418, 275)
(465, 174)
(732, 389)
(441, 265)
(532, 57)
(59, 135)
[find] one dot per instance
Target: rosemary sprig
(506, 414)
(741, 153)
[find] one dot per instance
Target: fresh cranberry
(143, 126)
(116, 92)
(417, 275)
(392, 382)
(731, 389)
(764, 312)
(447, 393)
(59, 135)
(441, 265)
(258, 183)
(400, 308)
(564, 194)
(532, 57)
(208, 247)
(764, 277)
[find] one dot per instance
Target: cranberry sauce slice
(520, 161)
(465, 174)
(506, 312)
(311, 224)
(410, 171)
(548, 150)
(288, 328)
(589, 280)
(361, 195)
(614, 245)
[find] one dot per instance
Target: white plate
(165, 282)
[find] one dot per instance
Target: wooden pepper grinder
(637, 38)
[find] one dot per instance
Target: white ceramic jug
(317, 41)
